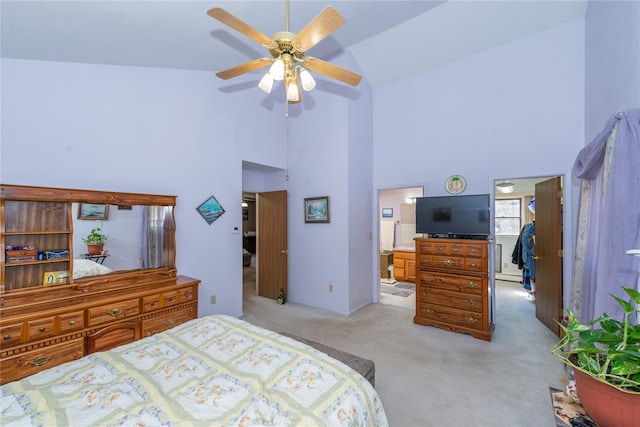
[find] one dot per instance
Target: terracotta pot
(95, 249)
(608, 406)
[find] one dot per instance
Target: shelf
(41, 261)
(20, 233)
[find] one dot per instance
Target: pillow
(86, 267)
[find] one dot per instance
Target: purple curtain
(612, 215)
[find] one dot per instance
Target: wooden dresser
(452, 286)
(46, 323)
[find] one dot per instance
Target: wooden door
(272, 243)
(549, 253)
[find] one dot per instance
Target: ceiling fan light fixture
(505, 187)
(277, 69)
(266, 83)
(308, 83)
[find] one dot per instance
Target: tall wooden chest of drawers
(452, 286)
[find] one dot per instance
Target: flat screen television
(458, 217)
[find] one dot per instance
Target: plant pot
(95, 249)
(608, 406)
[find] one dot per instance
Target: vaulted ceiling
(389, 39)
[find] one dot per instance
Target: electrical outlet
(330, 287)
(213, 299)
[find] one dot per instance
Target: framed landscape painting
(316, 209)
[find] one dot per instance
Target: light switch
(235, 230)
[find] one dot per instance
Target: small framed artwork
(210, 210)
(455, 184)
(387, 212)
(93, 211)
(50, 278)
(316, 209)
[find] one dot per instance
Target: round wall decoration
(455, 184)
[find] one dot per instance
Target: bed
(216, 370)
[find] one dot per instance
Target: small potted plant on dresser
(605, 357)
(95, 241)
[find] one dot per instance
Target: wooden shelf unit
(452, 288)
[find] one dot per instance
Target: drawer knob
(471, 285)
(471, 320)
(448, 262)
(42, 329)
(428, 311)
(171, 299)
(170, 322)
(427, 294)
(73, 322)
(40, 361)
(471, 302)
(427, 279)
(115, 312)
(6, 337)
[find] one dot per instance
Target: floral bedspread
(217, 370)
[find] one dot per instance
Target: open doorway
(528, 245)
(396, 247)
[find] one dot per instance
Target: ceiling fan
(288, 61)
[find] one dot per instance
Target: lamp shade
(308, 83)
(277, 69)
(266, 84)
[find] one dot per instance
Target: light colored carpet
(430, 377)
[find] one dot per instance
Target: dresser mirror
(42, 231)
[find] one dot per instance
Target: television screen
(453, 216)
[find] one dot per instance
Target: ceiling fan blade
(320, 27)
(327, 69)
(244, 68)
(241, 26)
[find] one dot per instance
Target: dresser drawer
(169, 298)
(11, 334)
(474, 264)
(449, 282)
(25, 364)
(458, 300)
(473, 250)
(41, 328)
(150, 303)
(186, 294)
(451, 316)
(454, 263)
(424, 248)
(166, 321)
(70, 322)
(424, 261)
(114, 311)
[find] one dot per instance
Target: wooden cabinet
(404, 265)
(452, 287)
(45, 324)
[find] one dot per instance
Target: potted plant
(605, 357)
(95, 241)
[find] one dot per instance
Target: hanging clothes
(523, 253)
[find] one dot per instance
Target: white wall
(612, 61)
(147, 131)
(513, 111)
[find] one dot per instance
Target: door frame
(570, 203)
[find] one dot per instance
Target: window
(507, 217)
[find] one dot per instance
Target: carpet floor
(427, 376)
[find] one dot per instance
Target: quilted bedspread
(217, 370)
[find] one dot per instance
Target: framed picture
(92, 211)
(210, 210)
(316, 209)
(387, 212)
(50, 278)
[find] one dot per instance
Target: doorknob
(284, 251)
(536, 257)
